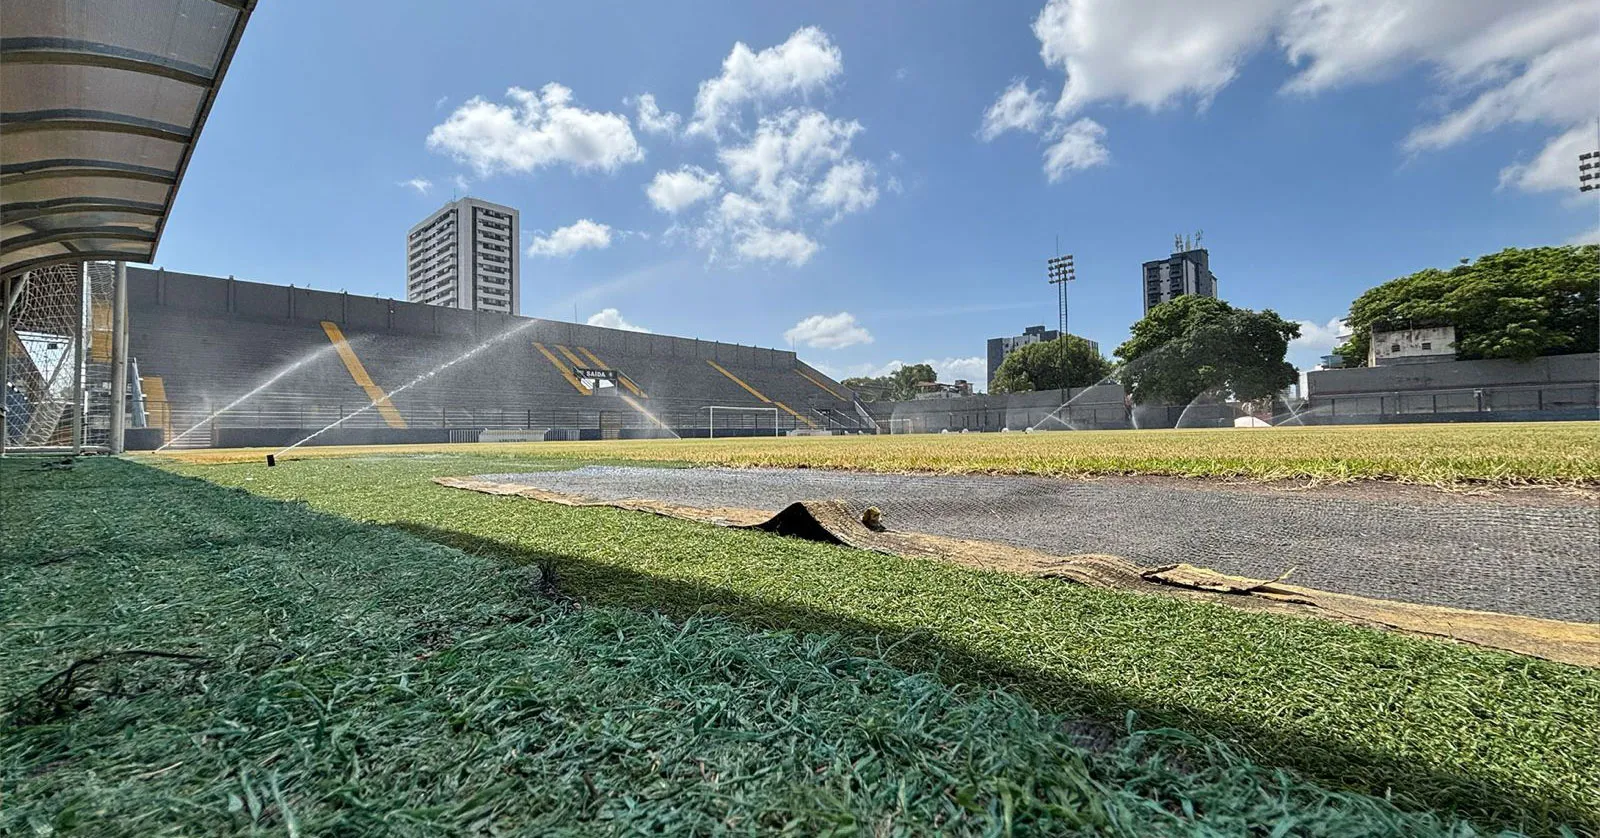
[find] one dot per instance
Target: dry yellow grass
(1545, 453)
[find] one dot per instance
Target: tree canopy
(1518, 303)
(1050, 365)
(1194, 344)
(899, 385)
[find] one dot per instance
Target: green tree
(871, 389)
(1518, 303)
(899, 385)
(908, 377)
(1050, 365)
(1192, 344)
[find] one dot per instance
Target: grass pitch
(1491, 735)
(1495, 454)
(323, 675)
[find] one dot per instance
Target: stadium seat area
(212, 341)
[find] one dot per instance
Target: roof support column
(119, 359)
(78, 360)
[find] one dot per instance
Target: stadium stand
(202, 343)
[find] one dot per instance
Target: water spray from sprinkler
(408, 385)
(236, 402)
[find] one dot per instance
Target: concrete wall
(1553, 387)
(1100, 407)
(261, 302)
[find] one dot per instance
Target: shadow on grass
(1335, 764)
(1339, 764)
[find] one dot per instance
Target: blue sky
(882, 182)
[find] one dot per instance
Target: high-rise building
(464, 255)
(1183, 273)
(999, 348)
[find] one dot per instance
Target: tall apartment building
(464, 255)
(999, 348)
(1183, 273)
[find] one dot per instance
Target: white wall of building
(1410, 346)
(465, 255)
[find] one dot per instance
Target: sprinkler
(272, 460)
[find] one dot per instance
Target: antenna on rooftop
(1177, 242)
(1197, 235)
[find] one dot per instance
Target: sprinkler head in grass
(272, 460)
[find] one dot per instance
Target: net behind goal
(57, 359)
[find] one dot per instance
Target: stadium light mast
(1060, 271)
(1588, 171)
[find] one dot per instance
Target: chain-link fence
(58, 359)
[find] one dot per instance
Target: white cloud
(1019, 108)
(421, 184)
(582, 234)
(948, 370)
(461, 182)
(806, 62)
(783, 169)
(1315, 341)
(1586, 237)
(973, 368)
(1150, 52)
(673, 191)
(1073, 146)
(610, 318)
(533, 131)
(1077, 146)
(828, 331)
(846, 188)
(788, 149)
(1493, 62)
(1555, 168)
(653, 120)
(440, 102)
(737, 210)
(766, 244)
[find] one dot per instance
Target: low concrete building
(1554, 387)
(1412, 346)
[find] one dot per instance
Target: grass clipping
(831, 522)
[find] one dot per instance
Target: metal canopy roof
(101, 103)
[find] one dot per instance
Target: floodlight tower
(1589, 171)
(1060, 272)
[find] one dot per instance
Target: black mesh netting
(1536, 554)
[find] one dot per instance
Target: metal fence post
(119, 359)
(78, 361)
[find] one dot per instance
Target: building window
(1427, 345)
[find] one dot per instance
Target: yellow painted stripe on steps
(621, 376)
(358, 373)
(829, 390)
(739, 381)
(571, 356)
(566, 371)
(757, 393)
(156, 411)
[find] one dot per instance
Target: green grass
(1495, 735)
(345, 678)
(1500, 454)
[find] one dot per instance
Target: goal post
(904, 426)
(711, 423)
